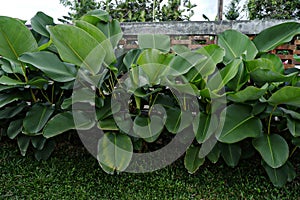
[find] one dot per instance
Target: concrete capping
(252, 27)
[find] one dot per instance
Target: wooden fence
(197, 34)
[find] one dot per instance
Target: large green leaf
(181, 64)
(281, 175)
(154, 41)
(9, 112)
(177, 120)
(5, 80)
(248, 94)
(100, 37)
(287, 95)
(39, 23)
(38, 142)
(8, 98)
(15, 38)
(36, 118)
(236, 45)
(51, 65)
(131, 57)
(114, 152)
(240, 79)
(94, 16)
(204, 126)
(154, 63)
(55, 126)
(239, 124)
(274, 36)
(192, 162)
(23, 143)
(44, 154)
(231, 154)
(14, 128)
(214, 54)
(293, 126)
(273, 149)
(214, 154)
(86, 52)
(148, 128)
(112, 30)
(293, 114)
(219, 80)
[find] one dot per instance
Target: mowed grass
(72, 173)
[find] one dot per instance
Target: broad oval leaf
(9, 112)
(59, 124)
(236, 45)
(231, 153)
(182, 63)
(114, 152)
(279, 176)
(86, 52)
(15, 38)
(293, 126)
(36, 118)
(23, 143)
(154, 41)
(39, 23)
(131, 57)
(148, 128)
(14, 128)
(287, 95)
(177, 120)
(44, 154)
(221, 78)
(274, 36)
(248, 94)
(239, 124)
(273, 149)
(101, 38)
(204, 126)
(51, 65)
(192, 162)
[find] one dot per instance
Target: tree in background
(274, 9)
(134, 10)
(233, 10)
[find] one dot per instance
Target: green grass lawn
(72, 173)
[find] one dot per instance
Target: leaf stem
(270, 119)
(295, 148)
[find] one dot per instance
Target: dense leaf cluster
(235, 98)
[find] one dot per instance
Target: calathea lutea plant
(232, 100)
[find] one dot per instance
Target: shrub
(234, 98)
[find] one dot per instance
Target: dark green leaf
(274, 36)
(55, 126)
(192, 162)
(51, 65)
(231, 153)
(239, 124)
(14, 128)
(39, 23)
(15, 38)
(273, 149)
(36, 118)
(114, 152)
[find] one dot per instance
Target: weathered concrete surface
(198, 28)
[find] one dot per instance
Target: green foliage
(274, 9)
(233, 10)
(132, 10)
(51, 82)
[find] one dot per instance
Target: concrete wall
(197, 28)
